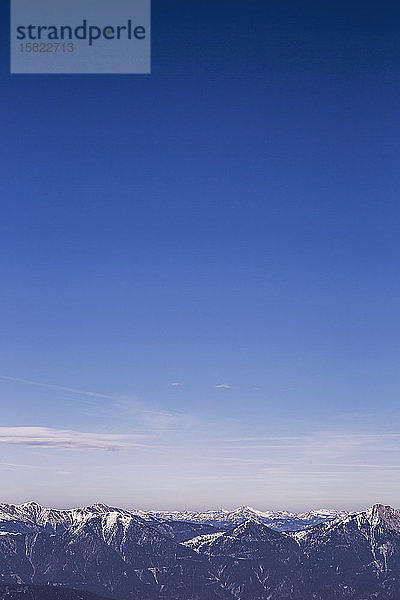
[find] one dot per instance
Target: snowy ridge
(370, 523)
(31, 516)
(279, 520)
(198, 542)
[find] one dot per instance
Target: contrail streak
(51, 386)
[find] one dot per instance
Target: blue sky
(230, 225)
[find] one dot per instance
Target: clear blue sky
(231, 220)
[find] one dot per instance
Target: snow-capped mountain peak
(387, 516)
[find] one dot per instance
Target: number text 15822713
(47, 47)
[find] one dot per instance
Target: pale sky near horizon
(200, 268)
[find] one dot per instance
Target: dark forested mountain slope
(252, 560)
(113, 555)
(357, 557)
(35, 592)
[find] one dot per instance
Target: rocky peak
(384, 515)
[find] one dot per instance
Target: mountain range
(279, 520)
(217, 555)
(34, 517)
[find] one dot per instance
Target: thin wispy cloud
(176, 384)
(46, 437)
(313, 439)
(61, 388)
(15, 466)
(150, 419)
(153, 419)
(314, 465)
(338, 452)
(223, 386)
